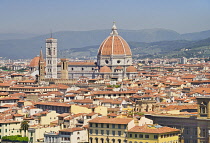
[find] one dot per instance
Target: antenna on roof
(50, 33)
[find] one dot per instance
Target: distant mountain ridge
(171, 49)
(29, 47)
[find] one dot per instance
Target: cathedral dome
(114, 45)
(105, 69)
(34, 62)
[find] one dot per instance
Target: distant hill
(9, 36)
(171, 49)
(70, 41)
(196, 35)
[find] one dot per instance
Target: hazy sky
(39, 16)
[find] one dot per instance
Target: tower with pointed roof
(51, 58)
(41, 67)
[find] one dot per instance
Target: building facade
(114, 60)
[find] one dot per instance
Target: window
(140, 136)
(107, 125)
(203, 132)
(147, 136)
(130, 135)
(91, 124)
(155, 136)
(102, 125)
(113, 133)
(136, 136)
(203, 108)
(96, 125)
(195, 131)
(119, 126)
(102, 132)
(124, 126)
(118, 61)
(119, 133)
(96, 132)
(107, 132)
(113, 126)
(186, 130)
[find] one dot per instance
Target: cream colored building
(36, 132)
(103, 129)
(8, 128)
(75, 109)
(50, 117)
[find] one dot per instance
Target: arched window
(91, 140)
(203, 107)
(102, 140)
(96, 140)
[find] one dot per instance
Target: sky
(42, 16)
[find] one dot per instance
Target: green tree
(24, 126)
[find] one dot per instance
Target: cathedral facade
(114, 60)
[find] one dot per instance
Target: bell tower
(64, 69)
(51, 58)
(41, 67)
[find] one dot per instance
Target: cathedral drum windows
(107, 61)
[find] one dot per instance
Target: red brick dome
(105, 69)
(34, 62)
(114, 45)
